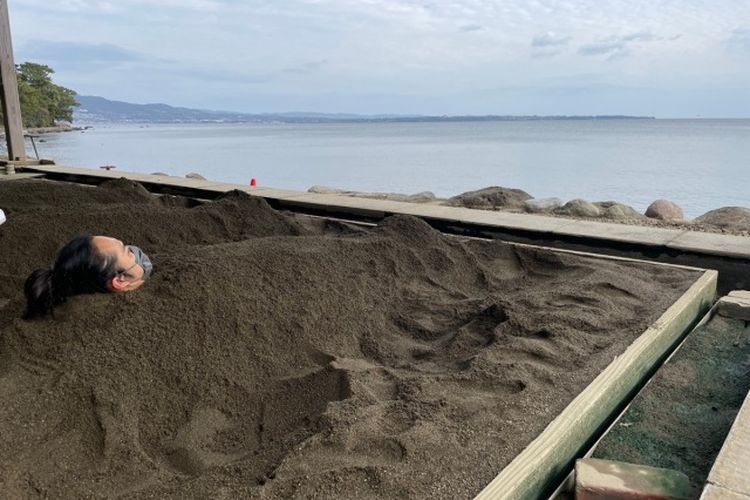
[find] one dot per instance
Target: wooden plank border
(539, 468)
(730, 467)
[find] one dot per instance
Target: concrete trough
(540, 468)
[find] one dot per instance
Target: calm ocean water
(699, 164)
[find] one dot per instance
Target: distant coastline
(95, 109)
(497, 118)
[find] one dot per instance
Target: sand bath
(278, 356)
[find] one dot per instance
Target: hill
(99, 109)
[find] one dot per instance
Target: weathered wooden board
(8, 84)
(730, 470)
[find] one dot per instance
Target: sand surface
(277, 356)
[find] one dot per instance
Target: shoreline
(50, 130)
(721, 220)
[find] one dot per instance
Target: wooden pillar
(11, 105)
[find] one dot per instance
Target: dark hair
(79, 268)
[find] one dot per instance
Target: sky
(663, 58)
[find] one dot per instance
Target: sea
(699, 164)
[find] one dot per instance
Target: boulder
(541, 205)
(421, 197)
(193, 175)
(325, 190)
(617, 211)
(579, 208)
(732, 218)
(490, 198)
(664, 210)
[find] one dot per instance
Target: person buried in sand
(86, 264)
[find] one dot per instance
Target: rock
(376, 195)
(735, 305)
(422, 197)
(193, 175)
(325, 190)
(733, 218)
(664, 210)
(541, 205)
(579, 208)
(160, 173)
(490, 198)
(617, 211)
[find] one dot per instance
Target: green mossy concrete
(679, 421)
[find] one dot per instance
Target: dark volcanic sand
(272, 357)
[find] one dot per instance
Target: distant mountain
(99, 109)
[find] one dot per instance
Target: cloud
(88, 7)
(548, 45)
(549, 40)
(641, 36)
(543, 54)
(739, 41)
(234, 50)
(616, 47)
(77, 52)
(212, 75)
(604, 48)
(306, 68)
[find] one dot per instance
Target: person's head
(87, 264)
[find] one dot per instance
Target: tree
(43, 103)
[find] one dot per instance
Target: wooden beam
(10, 104)
(538, 468)
(730, 468)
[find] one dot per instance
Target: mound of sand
(269, 357)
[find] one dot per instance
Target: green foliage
(43, 103)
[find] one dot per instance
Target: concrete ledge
(17, 176)
(728, 254)
(678, 239)
(736, 305)
(718, 493)
(604, 479)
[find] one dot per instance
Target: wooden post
(10, 104)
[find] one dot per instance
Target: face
(130, 275)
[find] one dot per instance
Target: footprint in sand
(190, 451)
